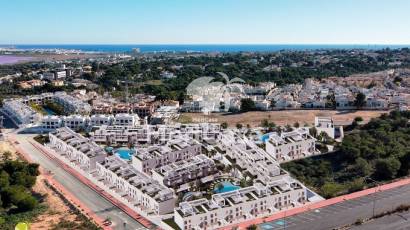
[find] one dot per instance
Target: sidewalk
(317, 205)
(68, 195)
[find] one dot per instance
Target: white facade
(239, 205)
(101, 119)
(78, 149)
(325, 124)
(20, 112)
(135, 187)
(156, 156)
(184, 171)
(71, 104)
(51, 122)
(154, 133)
(291, 145)
(247, 155)
(60, 75)
(76, 122)
(126, 119)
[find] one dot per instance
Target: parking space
(322, 215)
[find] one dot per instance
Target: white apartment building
(239, 205)
(134, 188)
(156, 156)
(325, 124)
(249, 157)
(126, 119)
(113, 135)
(71, 104)
(101, 119)
(51, 122)
(21, 113)
(37, 99)
(76, 122)
(48, 76)
(60, 74)
(184, 171)
(292, 145)
(154, 133)
(79, 150)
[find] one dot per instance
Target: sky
(204, 22)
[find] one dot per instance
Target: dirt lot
(57, 209)
(280, 117)
(6, 147)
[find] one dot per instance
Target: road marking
(302, 219)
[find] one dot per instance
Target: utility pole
(374, 194)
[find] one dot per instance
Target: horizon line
(359, 44)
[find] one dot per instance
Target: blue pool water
(125, 153)
(109, 149)
(49, 111)
(265, 137)
(227, 187)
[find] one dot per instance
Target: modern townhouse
(19, 112)
(249, 158)
(126, 119)
(79, 150)
(156, 156)
(185, 171)
(291, 145)
(76, 122)
(134, 188)
(327, 125)
(125, 135)
(101, 119)
(51, 122)
(39, 99)
(239, 205)
(71, 104)
(156, 134)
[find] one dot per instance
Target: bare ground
(280, 117)
(57, 209)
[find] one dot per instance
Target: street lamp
(374, 194)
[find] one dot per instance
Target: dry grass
(57, 209)
(283, 117)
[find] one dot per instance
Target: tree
(252, 227)
(247, 105)
(296, 125)
(360, 100)
(313, 132)
(224, 125)
(28, 203)
(362, 167)
(6, 156)
(239, 126)
(331, 189)
(273, 103)
(358, 119)
(265, 123)
(387, 168)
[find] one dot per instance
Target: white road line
(303, 219)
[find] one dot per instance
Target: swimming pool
(226, 187)
(125, 153)
(265, 137)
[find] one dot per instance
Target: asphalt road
(93, 200)
(345, 213)
(397, 221)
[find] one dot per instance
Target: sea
(144, 48)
